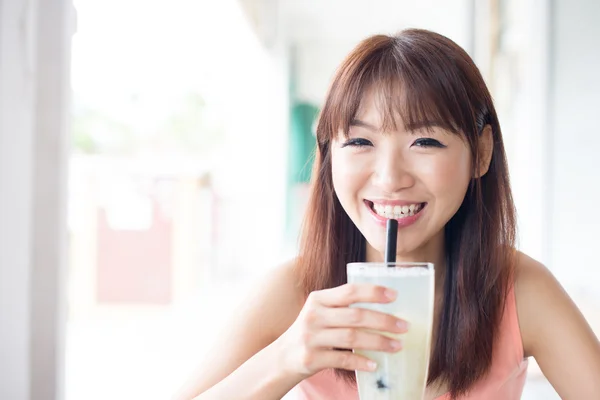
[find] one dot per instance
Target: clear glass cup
(401, 375)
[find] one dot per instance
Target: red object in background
(135, 266)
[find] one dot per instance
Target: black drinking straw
(390, 245)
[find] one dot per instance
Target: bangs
(413, 88)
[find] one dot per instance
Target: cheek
(348, 176)
(447, 177)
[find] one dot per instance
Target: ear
(486, 148)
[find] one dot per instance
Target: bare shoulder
(555, 332)
(528, 269)
(529, 275)
(536, 289)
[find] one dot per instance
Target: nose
(392, 173)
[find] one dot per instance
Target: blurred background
(155, 156)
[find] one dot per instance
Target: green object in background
(302, 142)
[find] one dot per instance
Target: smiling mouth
(396, 212)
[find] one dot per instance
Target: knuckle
(346, 360)
(311, 316)
(310, 299)
(307, 360)
(306, 337)
(383, 343)
(351, 290)
(357, 316)
(350, 337)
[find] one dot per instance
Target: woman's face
(417, 177)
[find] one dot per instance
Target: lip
(402, 222)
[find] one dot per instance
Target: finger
(354, 339)
(345, 360)
(360, 318)
(343, 296)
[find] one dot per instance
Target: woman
(408, 123)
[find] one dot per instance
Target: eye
(428, 142)
(357, 142)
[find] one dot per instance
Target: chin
(402, 250)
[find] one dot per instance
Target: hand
(327, 323)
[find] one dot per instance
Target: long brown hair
(426, 79)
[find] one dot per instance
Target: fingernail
(402, 325)
(372, 365)
(394, 344)
(390, 294)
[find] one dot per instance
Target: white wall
(16, 169)
(574, 135)
(34, 66)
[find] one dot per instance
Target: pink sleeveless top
(504, 380)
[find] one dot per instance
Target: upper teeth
(389, 211)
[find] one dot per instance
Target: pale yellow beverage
(401, 375)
